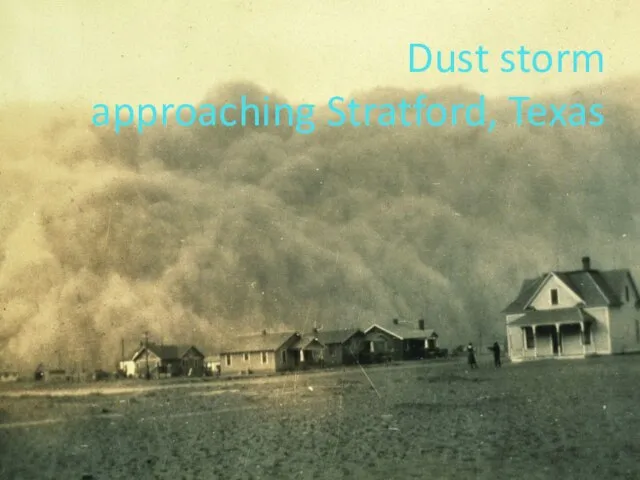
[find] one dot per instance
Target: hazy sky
(171, 51)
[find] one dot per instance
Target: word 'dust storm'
(405, 113)
(423, 59)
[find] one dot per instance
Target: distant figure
(39, 373)
(471, 356)
(496, 354)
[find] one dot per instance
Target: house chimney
(395, 321)
(586, 263)
(421, 324)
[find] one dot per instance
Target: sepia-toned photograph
(255, 240)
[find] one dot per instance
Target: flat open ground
(546, 420)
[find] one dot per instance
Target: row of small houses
(560, 314)
(285, 351)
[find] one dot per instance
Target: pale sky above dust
(172, 51)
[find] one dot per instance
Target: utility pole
(146, 353)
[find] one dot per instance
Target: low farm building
(399, 341)
(169, 360)
(264, 352)
(341, 347)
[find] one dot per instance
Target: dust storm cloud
(194, 233)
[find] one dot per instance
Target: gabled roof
(527, 289)
(562, 278)
(167, 352)
(596, 288)
(264, 342)
(308, 342)
(328, 337)
(403, 331)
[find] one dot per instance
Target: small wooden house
(399, 341)
(265, 352)
(341, 347)
(169, 360)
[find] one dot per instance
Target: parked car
(100, 375)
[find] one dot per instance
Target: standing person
(471, 356)
(496, 355)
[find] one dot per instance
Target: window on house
(586, 335)
(530, 341)
(626, 293)
(284, 356)
(554, 296)
(228, 360)
(379, 346)
(637, 331)
(246, 357)
(334, 351)
(264, 357)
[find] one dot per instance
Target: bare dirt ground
(545, 420)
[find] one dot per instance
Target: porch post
(584, 346)
(559, 339)
(535, 342)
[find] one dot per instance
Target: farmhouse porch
(309, 352)
(565, 332)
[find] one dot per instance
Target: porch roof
(551, 317)
(308, 343)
